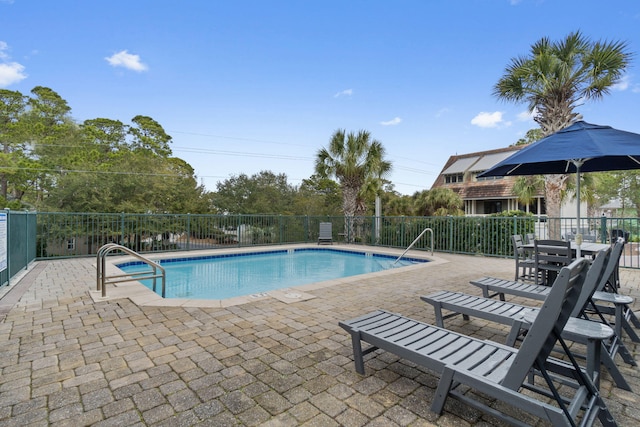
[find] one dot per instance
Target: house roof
(475, 163)
(461, 165)
(488, 160)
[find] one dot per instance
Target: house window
(488, 178)
(451, 179)
(492, 206)
(71, 244)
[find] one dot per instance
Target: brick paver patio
(69, 361)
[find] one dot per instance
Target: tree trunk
(553, 186)
(349, 206)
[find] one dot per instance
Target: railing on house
(81, 234)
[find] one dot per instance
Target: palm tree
(553, 79)
(355, 160)
(526, 188)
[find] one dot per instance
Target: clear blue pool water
(226, 276)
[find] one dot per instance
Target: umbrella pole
(578, 163)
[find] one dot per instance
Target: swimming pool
(222, 276)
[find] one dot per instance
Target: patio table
(586, 248)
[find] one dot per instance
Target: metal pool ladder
(102, 279)
(414, 242)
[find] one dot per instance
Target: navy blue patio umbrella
(581, 147)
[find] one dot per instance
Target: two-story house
(484, 196)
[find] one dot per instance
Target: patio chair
(596, 336)
(324, 235)
(618, 306)
(549, 257)
(495, 370)
(492, 286)
(525, 265)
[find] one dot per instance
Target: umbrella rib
(634, 159)
(514, 168)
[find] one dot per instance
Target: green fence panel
(81, 234)
(20, 243)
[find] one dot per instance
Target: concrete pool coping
(140, 295)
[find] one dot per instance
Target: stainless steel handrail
(414, 242)
(102, 279)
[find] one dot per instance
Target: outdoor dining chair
(549, 258)
(525, 264)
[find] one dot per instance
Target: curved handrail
(414, 242)
(102, 280)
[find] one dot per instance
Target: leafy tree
(111, 167)
(531, 136)
(262, 193)
(149, 136)
(12, 107)
(318, 196)
(553, 79)
(356, 161)
(438, 201)
(622, 185)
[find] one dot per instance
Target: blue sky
(250, 85)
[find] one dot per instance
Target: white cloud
(346, 92)
(623, 84)
(392, 122)
(488, 120)
(3, 46)
(525, 116)
(443, 111)
(10, 72)
(127, 60)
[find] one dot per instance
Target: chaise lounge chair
(492, 286)
(598, 338)
(496, 370)
(324, 234)
(619, 306)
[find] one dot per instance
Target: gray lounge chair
(325, 233)
(491, 368)
(597, 337)
(492, 286)
(619, 306)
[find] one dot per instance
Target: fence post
(188, 230)
(122, 228)
(450, 222)
(8, 252)
(26, 246)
